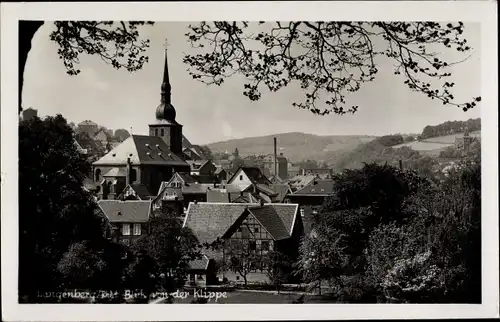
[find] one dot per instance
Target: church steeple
(165, 111)
(166, 89)
(166, 126)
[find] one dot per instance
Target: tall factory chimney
(275, 157)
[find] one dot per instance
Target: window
(256, 230)
(302, 212)
(237, 278)
(137, 229)
(97, 175)
(264, 245)
(241, 177)
(252, 244)
(162, 132)
(156, 132)
(126, 230)
(133, 175)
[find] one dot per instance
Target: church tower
(166, 127)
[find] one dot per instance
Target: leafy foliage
(332, 58)
(390, 140)
(116, 43)
(240, 258)
(93, 265)
(60, 212)
(392, 236)
(170, 247)
(277, 267)
(451, 127)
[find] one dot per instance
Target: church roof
(142, 149)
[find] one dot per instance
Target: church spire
(165, 111)
(166, 89)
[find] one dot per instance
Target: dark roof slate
(269, 218)
(142, 149)
(126, 211)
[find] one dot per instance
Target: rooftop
(132, 211)
(142, 149)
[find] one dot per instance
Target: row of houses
(146, 175)
(248, 208)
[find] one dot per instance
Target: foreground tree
(170, 247)
(116, 43)
(94, 266)
(277, 267)
(327, 59)
(55, 211)
(240, 258)
(362, 200)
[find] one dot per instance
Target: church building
(142, 159)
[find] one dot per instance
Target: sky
(119, 99)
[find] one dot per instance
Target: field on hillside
(295, 146)
(436, 144)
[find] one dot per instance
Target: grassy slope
(295, 146)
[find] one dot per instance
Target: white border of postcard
(473, 11)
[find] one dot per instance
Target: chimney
(128, 172)
(401, 164)
(303, 172)
(275, 157)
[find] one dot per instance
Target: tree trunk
(27, 30)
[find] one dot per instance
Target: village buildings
(246, 210)
(148, 160)
(245, 231)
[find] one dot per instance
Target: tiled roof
(196, 165)
(219, 169)
(142, 149)
(210, 221)
(266, 190)
(141, 190)
(199, 264)
(254, 174)
(317, 187)
(196, 188)
(116, 172)
(125, 211)
(302, 180)
(269, 218)
(186, 177)
(282, 190)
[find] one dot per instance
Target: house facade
(202, 167)
(310, 199)
(88, 127)
(128, 220)
(245, 232)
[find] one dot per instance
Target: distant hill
(295, 146)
